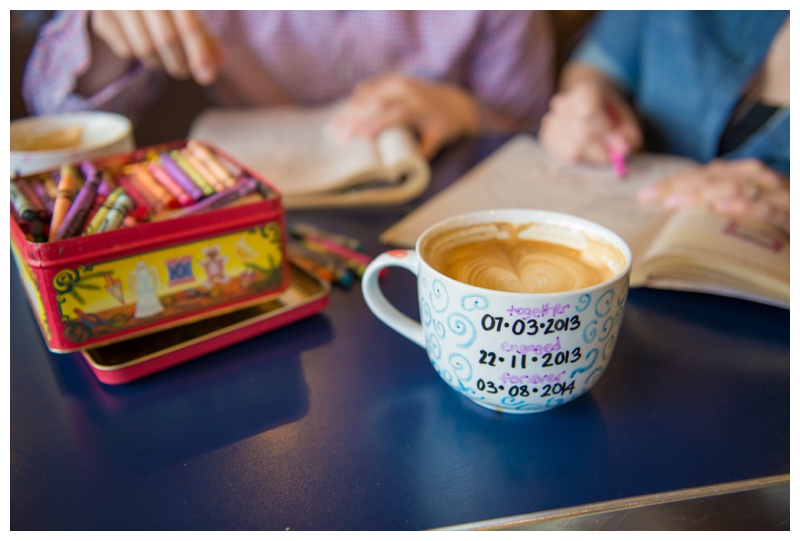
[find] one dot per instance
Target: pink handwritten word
(532, 348)
(507, 378)
(542, 311)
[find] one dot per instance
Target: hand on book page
(291, 148)
(521, 174)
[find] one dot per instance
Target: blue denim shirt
(686, 72)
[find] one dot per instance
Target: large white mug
(520, 309)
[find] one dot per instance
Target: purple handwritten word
(532, 348)
(508, 378)
(542, 311)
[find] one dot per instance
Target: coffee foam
(524, 258)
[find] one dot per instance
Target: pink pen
(616, 156)
(617, 162)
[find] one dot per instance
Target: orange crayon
(67, 186)
(144, 180)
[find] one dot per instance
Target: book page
(400, 155)
(523, 175)
(289, 147)
(701, 251)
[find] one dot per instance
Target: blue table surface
(337, 422)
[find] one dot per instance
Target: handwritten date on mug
(530, 326)
(490, 358)
(523, 391)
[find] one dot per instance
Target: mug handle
(376, 300)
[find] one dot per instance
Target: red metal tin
(91, 290)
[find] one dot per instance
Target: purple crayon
(245, 186)
(73, 221)
(178, 175)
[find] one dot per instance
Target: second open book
(292, 148)
(691, 250)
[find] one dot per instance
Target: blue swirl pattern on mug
(603, 304)
(474, 302)
(461, 366)
(593, 353)
(462, 326)
(585, 300)
(425, 312)
(433, 346)
(439, 296)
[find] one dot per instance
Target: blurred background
(164, 121)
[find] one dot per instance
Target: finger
(760, 210)
(672, 186)
(431, 139)
(388, 114)
(139, 39)
(348, 122)
(571, 139)
(107, 27)
(202, 50)
(167, 43)
(585, 101)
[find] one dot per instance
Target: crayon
(24, 226)
(64, 197)
(212, 163)
(101, 213)
(41, 191)
(129, 221)
(340, 274)
(301, 230)
(116, 214)
(33, 199)
(245, 186)
(97, 204)
(76, 215)
(355, 260)
(202, 170)
(50, 187)
(89, 170)
(141, 209)
(310, 267)
(181, 196)
(21, 203)
(179, 176)
(142, 178)
(357, 268)
(178, 158)
(248, 199)
(107, 185)
(24, 209)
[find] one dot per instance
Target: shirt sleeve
(62, 53)
(513, 69)
(612, 45)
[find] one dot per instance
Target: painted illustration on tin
(128, 293)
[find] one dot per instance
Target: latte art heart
(519, 265)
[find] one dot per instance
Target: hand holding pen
(590, 123)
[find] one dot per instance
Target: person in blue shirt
(709, 85)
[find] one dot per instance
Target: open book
(692, 249)
(292, 148)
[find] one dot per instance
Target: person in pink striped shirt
(445, 74)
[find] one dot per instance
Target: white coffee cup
(46, 142)
(517, 352)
